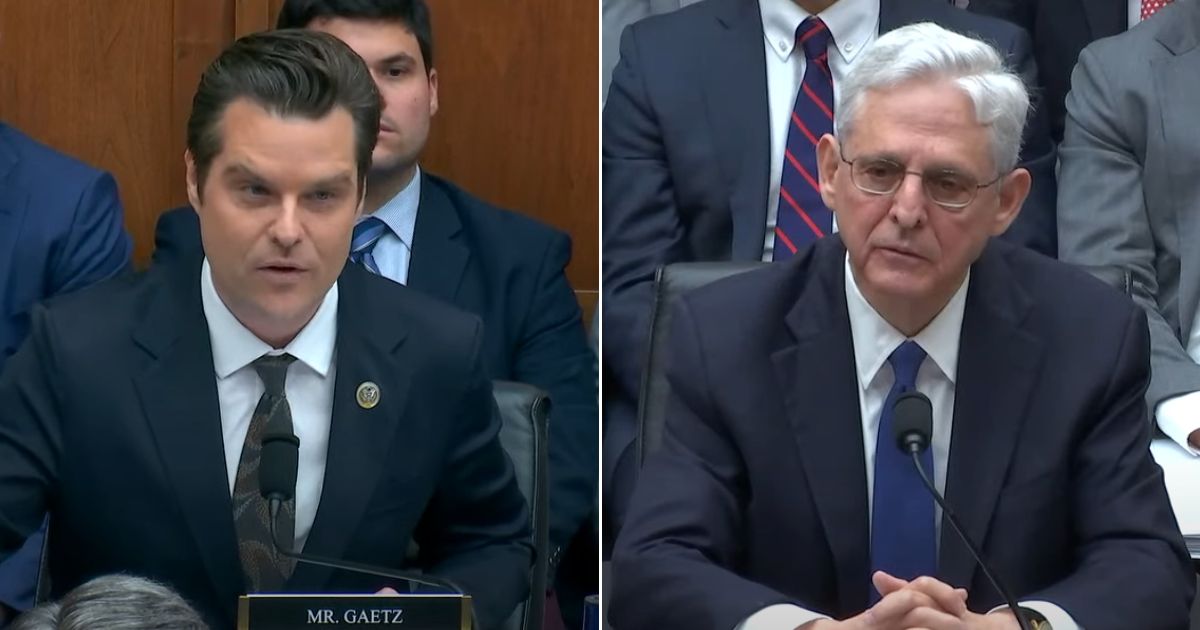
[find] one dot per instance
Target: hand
(1194, 439)
(905, 606)
(387, 590)
(950, 617)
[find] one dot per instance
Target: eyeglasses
(950, 189)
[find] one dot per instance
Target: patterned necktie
(902, 521)
(802, 217)
(362, 245)
(264, 568)
(1150, 7)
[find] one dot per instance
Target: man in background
(1129, 198)
(427, 233)
(61, 229)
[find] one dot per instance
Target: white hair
(928, 52)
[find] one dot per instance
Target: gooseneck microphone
(278, 463)
(912, 415)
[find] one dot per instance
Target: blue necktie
(802, 216)
(366, 234)
(902, 528)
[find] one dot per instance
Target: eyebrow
(935, 167)
(397, 58)
(344, 178)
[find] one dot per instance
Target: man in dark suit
(440, 240)
(130, 414)
(780, 499)
(1060, 30)
(61, 229)
(699, 119)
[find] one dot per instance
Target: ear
(1013, 190)
(193, 187)
(829, 160)
(433, 92)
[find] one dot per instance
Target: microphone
(278, 463)
(912, 422)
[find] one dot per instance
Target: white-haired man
(780, 499)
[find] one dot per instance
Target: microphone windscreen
(912, 416)
(278, 461)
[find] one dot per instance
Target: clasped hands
(924, 603)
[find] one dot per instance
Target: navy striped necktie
(362, 245)
(802, 217)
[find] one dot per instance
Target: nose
(286, 229)
(909, 202)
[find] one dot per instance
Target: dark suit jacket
(61, 228)
(758, 495)
(111, 422)
(1060, 30)
(509, 270)
(686, 162)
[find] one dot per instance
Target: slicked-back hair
(289, 73)
(414, 14)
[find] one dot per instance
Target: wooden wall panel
(518, 123)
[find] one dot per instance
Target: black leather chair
(524, 410)
(670, 282)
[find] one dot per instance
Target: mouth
(386, 129)
(901, 252)
(284, 269)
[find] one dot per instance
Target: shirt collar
(400, 212)
(875, 339)
(851, 22)
(234, 346)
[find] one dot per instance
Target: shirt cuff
(1058, 618)
(1178, 417)
(780, 617)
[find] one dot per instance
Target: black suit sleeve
(30, 434)
(1036, 227)
(1129, 548)
(475, 530)
(553, 354)
(687, 523)
(1019, 12)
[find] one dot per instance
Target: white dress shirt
(393, 251)
(1178, 417)
(874, 341)
(309, 390)
(853, 24)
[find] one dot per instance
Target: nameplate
(362, 612)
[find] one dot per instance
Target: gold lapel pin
(367, 395)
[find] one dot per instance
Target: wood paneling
(518, 122)
(111, 82)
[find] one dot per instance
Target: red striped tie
(802, 216)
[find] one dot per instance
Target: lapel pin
(367, 395)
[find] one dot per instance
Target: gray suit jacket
(1129, 188)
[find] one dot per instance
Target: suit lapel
(819, 382)
(1105, 17)
(735, 99)
(439, 257)
(179, 395)
(361, 440)
(1175, 80)
(997, 367)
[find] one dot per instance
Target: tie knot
(906, 360)
(366, 234)
(272, 369)
(814, 37)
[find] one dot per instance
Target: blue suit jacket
(61, 228)
(111, 422)
(758, 495)
(686, 161)
(509, 270)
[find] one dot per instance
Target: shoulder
(1002, 34)
(44, 170)
(510, 231)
